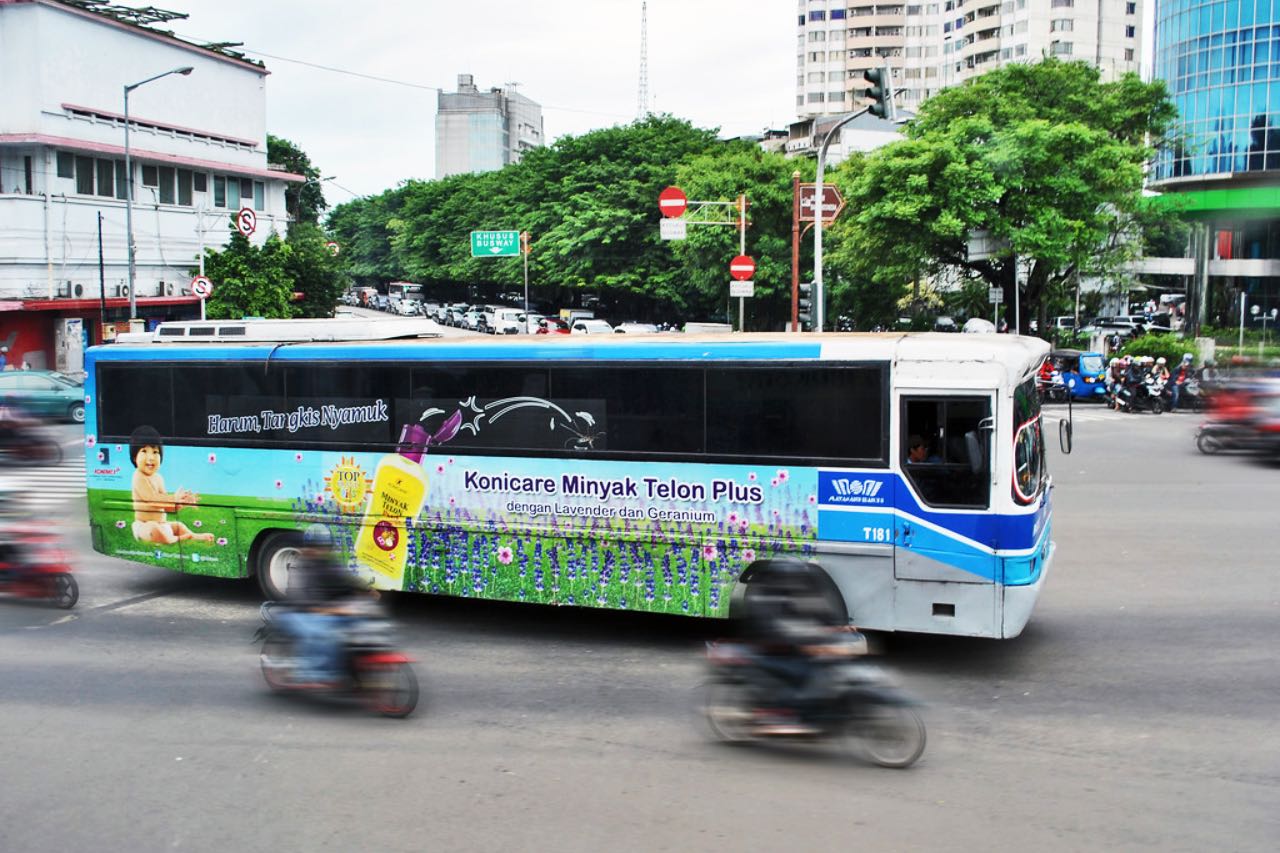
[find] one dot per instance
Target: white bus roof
(285, 331)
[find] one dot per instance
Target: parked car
(552, 326)
(945, 324)
(407, 307)
(452, 317)
(635, 329)
(44, 393)
(591, 327)
(472, 320)
(503, 321)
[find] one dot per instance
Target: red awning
(94, 304)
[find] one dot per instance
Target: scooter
(23, 441)
(860, 706)
(1052, 388)
(34, 566)
(371, 669)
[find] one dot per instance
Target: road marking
(48, 486)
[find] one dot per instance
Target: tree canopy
(304, 201)
(1045, 161)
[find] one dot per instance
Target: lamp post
(128, 184)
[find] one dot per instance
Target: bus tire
(274, 555)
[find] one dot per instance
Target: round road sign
(246, 221)
(742, 268)
(201, 287)
(672, 202)
(333, 248)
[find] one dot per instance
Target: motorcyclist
(321, 590)
(1160, 373)
(1181, 376)
(790, 622)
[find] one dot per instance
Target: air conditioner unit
(79, 290)
(122, 290)
(160, 288)
(169, 288)
(64, 289)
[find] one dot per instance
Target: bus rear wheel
(277, 555)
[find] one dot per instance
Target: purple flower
(774, 481)
(88, 400)
(279, 484)
(748, 555)
(197, 523)
(708, 552)
(752, 476)
(90, 441)
(733, 518)
(813, 499)
(121, 523)
(439, 469)
(222, 540)
(783, 474)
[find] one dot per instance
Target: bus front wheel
(277, 555)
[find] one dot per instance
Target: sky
(727, 64)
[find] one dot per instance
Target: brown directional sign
(832, 202)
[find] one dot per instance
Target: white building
(937, 44)
(198, 145)
(484, 131)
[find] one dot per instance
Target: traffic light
(880, 91)
(806, 305)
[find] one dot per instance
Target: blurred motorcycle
(371, 668)
(33, 565)
(23, 440)
(857, 703)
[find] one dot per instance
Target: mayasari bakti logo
(348, 484)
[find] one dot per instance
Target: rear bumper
(1020, 600)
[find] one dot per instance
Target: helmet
(317, 536)
(1186, 356)
(1160, 360)
(1113, 362)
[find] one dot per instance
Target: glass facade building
(1221, 61)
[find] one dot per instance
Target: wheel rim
(279, 568)
(892, 736)
(728, 712)
(65, 591)
(393, 690)
(77, 414)
(275, 663)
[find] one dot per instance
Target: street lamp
(128, 183)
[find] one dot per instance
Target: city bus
(633, 473)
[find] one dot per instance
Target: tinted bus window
(810, 412)
(656, 410)
(134, 395)
(226, 402)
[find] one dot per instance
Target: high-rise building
(483, 131)
(937, 44)
(1221, 62)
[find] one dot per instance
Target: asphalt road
(1138, 711)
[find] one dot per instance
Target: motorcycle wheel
(1208, 443)
(891, 736)
(392, 691)
(1157, 406)
(727, 708)
(274, 658)
(64, 591)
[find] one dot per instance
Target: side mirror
(1064, 436)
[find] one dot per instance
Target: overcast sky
(718, 63)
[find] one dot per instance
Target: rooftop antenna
(642, 100)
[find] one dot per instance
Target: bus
(635, 473)
(404, 290)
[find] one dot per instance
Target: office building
(484, 131)
(1221, 62)
(933, 45)
(198, 151)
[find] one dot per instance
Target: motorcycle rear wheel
(64, 591)
(890, 736)
(727, 707)
(391, 690)
(1209, 444)
(1157, 406)
(276, 652)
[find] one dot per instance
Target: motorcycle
(860, 706)
(34, 566)
(371, 668)
(23, 440)
(1052, 388)
(1146, 396)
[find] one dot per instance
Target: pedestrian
(4, 357)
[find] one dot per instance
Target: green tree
(304, 201)
(1043, 160)
(250, 281)
(314, 271)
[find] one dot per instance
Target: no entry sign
(672, 202)
(742, 268)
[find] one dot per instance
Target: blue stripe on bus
(435, 350)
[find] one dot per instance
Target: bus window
(798, 413)
(142, 395)
(955, 467)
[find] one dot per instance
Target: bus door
(944, 562)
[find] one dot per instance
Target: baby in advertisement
(151, 502)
